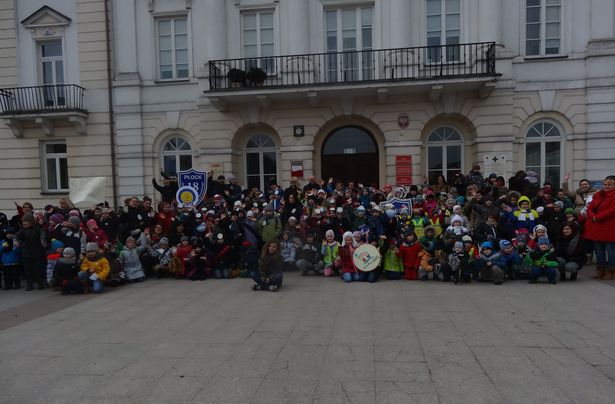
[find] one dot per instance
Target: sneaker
(497, 282)
(573, 276)
(532, 281)
(424, 278)
(553, 282)
(304, 273)
(273, 288)
(256, 286)
(435, 277)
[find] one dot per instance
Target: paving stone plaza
(315, 341)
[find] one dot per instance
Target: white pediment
(46, 17)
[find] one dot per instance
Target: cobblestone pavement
(315, 341)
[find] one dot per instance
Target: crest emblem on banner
(197, 180)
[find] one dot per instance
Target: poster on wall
(403, 170)
(87, 191)
(494, 163)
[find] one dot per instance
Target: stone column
(297, 32)
(399, 24)
(214, 22)
(489, 21)
(125, 42)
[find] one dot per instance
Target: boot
(609, 275)
(573, 276)
(562, 275)
(86, 286)
(599, 273)
(29, 286)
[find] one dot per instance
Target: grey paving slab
(316, 341)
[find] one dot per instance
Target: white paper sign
(494, 163)
(88, 191)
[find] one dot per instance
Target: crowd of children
(471, 229)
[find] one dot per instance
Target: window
(55, 167)
(52, 72)
(443, 28)
(261, 161)
(349, 30)
(543, 152)
(542, 27)
(444, 153)
(176, 156)
(173, 48)
(258, 40)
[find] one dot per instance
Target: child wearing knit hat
(94, 269)
(542, 262)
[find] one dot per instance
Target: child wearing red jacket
(349, 271)
(409, 254)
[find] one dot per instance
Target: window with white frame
(543, 27)
(258, 39)
(51, 59)
(349, 30)
(543, 152)
(443, 28)
(444, 153)
(55, 166)
(172, 38)
(176, 156)
(261, 161)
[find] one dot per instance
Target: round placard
(366, 257)
(187, 196)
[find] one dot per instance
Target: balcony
(42, 105)
(420, 67)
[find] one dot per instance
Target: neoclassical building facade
(371, 91)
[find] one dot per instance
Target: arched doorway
(350, 154)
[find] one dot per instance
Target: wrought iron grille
(351, 67)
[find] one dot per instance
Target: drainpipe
(110, 106)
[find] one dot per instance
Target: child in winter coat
(508, 260)
(350, 273)
(288, 251)
(310, 258)
(409, 254)
(66, 273)
(458, 264)
(222, 252)
(487, 264)
(93, 234)
(392, 264)
(522, 250)
(539, 231)
(330, 253)
(94, 269)
(11, 260)
(543, 262)
(162, 255)
(182, 257)
(55, 252)
(199, 263)
(269, 275)
(525, 216)
(130, 258)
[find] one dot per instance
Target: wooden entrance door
(350, 154)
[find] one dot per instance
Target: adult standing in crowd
(599, 225)
(579, 197)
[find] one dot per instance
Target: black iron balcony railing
(351, 67)
(41, 99)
